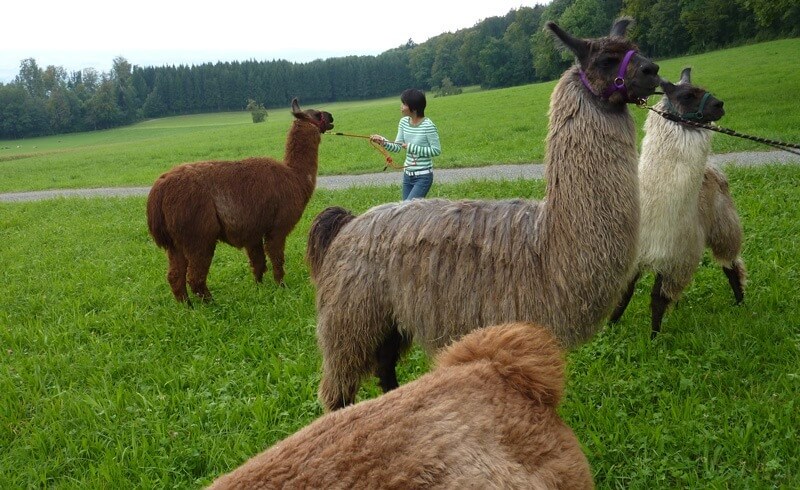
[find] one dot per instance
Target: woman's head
(415, 101)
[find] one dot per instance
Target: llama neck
(671, 169)
(674, 151)
(302, 150)
(592, 204)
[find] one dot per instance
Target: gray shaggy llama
(252, 204)
(432, 270)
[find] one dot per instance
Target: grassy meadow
(477, 127)
(106, 382)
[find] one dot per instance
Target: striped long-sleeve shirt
(423, 143)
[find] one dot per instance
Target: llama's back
(184, 197)
(524, 354)
(485, 415)
(478, 261)
(242, 198)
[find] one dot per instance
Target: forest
(496, 52)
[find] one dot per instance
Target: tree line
(496, 52)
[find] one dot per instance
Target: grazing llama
(431, 270)
(252, 203)
(485, 417)
(686, 204)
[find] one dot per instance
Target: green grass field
(477, 127)
(106, 382)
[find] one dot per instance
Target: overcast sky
(91, 33)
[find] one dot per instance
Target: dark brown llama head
(690, 102)
(323, 120)
(611, 67)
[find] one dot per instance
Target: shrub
(257, 110)
(447, 88)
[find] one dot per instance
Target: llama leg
(626, 298)
(199, 264)
(658, 305)
(275, 246)
(348, 343)
(735, 275)
(258, 262)
(176, 274)
(388, 354)
(336, 393)
(345, 361)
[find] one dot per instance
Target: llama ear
(295, 106)
(578, 46)
(686, 76)
(620, 27)
(667, 86)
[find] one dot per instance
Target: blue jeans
(417, 186)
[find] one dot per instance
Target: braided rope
(388, 161)
(776, 144)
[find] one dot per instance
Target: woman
(419, 137)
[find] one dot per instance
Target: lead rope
(790, 147)
(388, 161)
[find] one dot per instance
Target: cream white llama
(686, 205)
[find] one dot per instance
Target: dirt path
(492, 172)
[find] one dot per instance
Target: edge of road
(446, 175)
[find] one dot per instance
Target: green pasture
(757, 84)
(108, 383)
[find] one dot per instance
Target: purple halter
(619, 83)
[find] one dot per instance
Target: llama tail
(324, 229)
(527, 356)
(155, 216)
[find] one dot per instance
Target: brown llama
(252, 203)
(431, 270)
(686, 205)
(485, 417)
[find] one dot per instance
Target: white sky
(90, 33)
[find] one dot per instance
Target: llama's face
(691, 102)
(603, 61)
(603, 70)
(322, 119)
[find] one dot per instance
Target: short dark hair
(415, 100)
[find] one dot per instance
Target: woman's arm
(434, 147)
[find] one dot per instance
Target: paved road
(492, 172)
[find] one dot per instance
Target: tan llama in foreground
(431, 270)
(686, 204)
(251, 204)
(485, 417)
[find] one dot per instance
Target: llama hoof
(205, 298)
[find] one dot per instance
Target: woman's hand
(376, 138)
